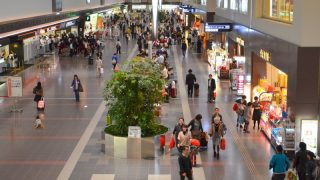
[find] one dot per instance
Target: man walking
(118, 46)
(211, 89)
(185, 164)
(190, 80)
(184, 48)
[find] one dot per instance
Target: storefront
(285, 77)
(270, 85)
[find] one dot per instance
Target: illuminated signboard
(309, 134)
(265, 55)
(218, 27)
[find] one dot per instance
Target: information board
(218, 27)
(134, 132)
(14, 85)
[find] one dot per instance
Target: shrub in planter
(131, 95)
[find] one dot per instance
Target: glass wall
(236, 5)
(280, 10)
(222, 3)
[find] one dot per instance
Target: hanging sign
(218, 27)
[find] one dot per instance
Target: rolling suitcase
(196, 89)
(173, 92)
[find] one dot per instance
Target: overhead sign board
(218, 27)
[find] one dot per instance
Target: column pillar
(211, 9)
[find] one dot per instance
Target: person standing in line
(177, 129)
(38, 93)
(118, 46)
(184, 48)
(300, 161)
(77, 87)
(280, 164)
(98, 66)
(183, 138)
(190, 80)
(114, 60)
(196, 127)
(247, 117)
(211, 89)
(216, 132)
(185, 164)
(256, 112)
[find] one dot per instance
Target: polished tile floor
(28, 153)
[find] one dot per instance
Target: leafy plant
(131, 95)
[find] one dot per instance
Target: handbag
(223, 144)
(101, 70)
(41, 104)
(80, 88)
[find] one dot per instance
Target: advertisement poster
(14, 86)
(309, 133)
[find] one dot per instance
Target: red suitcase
(173, 93)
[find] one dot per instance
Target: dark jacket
(192, 124)
(300, 161)
(190, 79)
(184, 164)
(310, 166)
(176, 130)
(184, 46)
(214, 115)
(212, 85)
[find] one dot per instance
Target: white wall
(302, 32)
(18, 9)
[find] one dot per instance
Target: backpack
(114, 61)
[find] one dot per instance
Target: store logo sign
(265, 55)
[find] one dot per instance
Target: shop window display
(281, 10)
(271, 89)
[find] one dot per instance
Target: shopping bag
(223, 144)
(195, 142)
(292, 175)
(41, 104)
(101, 70)
(171, 143)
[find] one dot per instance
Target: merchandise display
(272, 93)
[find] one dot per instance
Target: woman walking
(216, 132)
(183, 138)
(77, 87)
(38, 91)
(98, 66)
(177, 129)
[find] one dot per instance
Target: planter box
(132, 148)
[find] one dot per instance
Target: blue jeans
(77, 95)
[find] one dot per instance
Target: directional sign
(218, 27)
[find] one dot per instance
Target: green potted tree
(131, 96)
